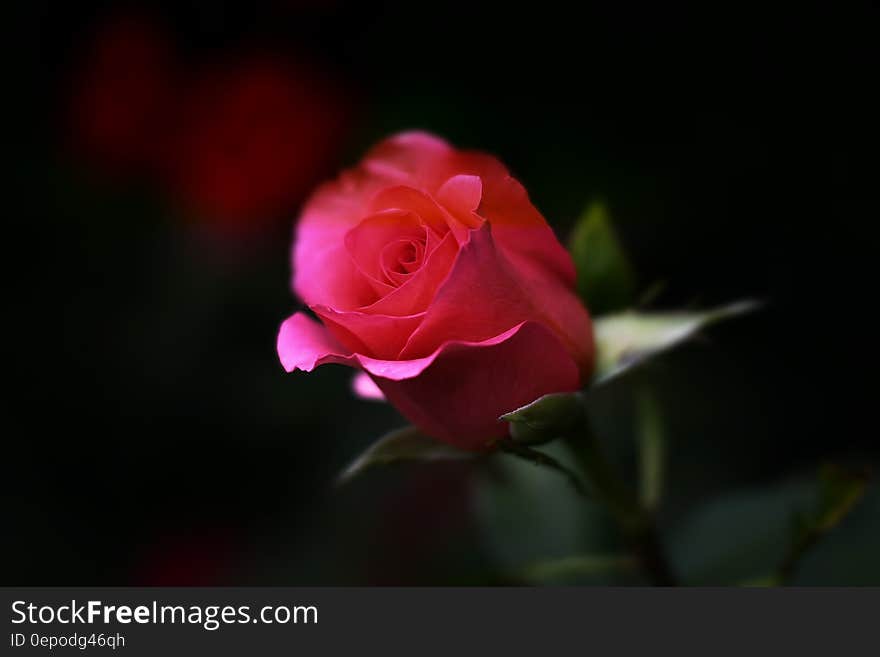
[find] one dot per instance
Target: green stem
(636, 522)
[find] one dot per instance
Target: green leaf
(545, 419)
(628, 339)
(734, 538)
(526, 514)
(544, 460)
(839, 491)
(578, 566)
(605, 278)
(406, 444)
(742, 537)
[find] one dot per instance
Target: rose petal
(480, 298)
(517, 226)
(303, 344)
(365, 388)
(520, 229)
(457, 393)
(415, 294)
(463, 389)
(485, 294)
(377, 336)
(560, 309)
(401, 370)
(402, 197)
(366, 241)
(329, 275)
(461, 195)
(320, 275)
(405, 156)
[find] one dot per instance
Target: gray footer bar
(437, 621)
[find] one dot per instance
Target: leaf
(578, 566)
(734, 538)
(543, 460)
(847, 555)
(741, 537)
(605, 277)
(628, 339)
(839, 491)
(406, 444)
(527, 514)
(545, 419)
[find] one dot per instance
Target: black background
(147, 413)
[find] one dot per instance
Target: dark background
(152, 436)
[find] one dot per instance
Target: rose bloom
(431, 271)
(254, 138)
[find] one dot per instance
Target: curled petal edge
(304, 344)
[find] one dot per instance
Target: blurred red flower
(253, 140)
(122, 94)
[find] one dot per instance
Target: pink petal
(461, 195)
(303, 344)
(520, 230)
(415, 294)
(402, 197)
(321, 274)
(462, 389)
(400, 370)
(365, 388)
(327, 274)
(479, 299)
(561, 309)
(486, 293)
(365, 241)
(373, 335)
(457, 393)
(405, 156)
(517, 226)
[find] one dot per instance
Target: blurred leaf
(527, 514)
(839, 491)
(741, 537)
(544, 460)
(737, 537)
(848, 555)
(605, 278)
(652, 448)
(585, 565)
(407, 444)
(628, 339)
(547, 418)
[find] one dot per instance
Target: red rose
(253, 139)
(431, 270)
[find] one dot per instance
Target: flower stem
(636, 522)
